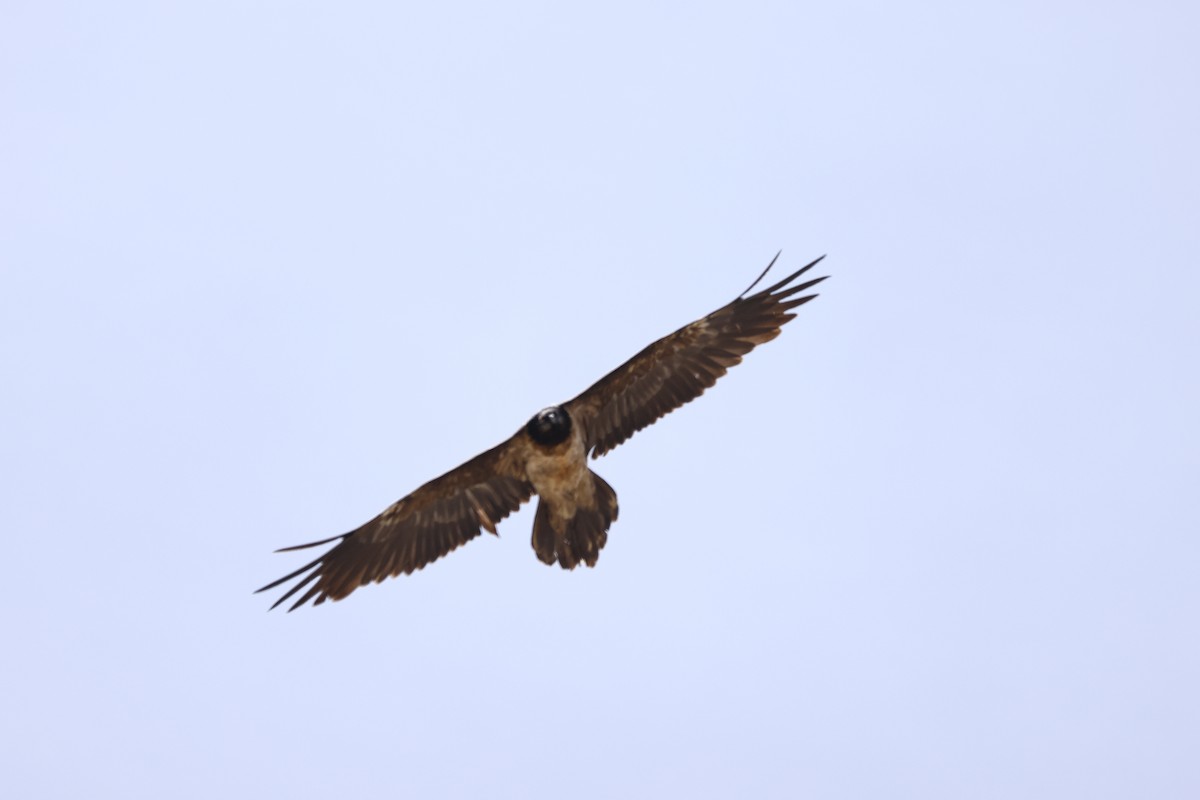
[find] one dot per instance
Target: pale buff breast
(560, 474)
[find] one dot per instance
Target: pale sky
(269, 266)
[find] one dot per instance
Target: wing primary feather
(799, 301)
(290, 575)
(791, 290)
(764, 274)
(310, 544)
(793, 276)
(307, 596)
(297, 588)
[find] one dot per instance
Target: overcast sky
(266, 267)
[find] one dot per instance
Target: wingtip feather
(761, 276)
(793, 277)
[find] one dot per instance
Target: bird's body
(549, 457)
(556, 469)
(560, 476)
(576, 506)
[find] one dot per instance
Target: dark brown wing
(679, 367)
(417, 529)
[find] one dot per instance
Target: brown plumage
(548, 457)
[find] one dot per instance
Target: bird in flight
(548, 457)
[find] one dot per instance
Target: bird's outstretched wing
(680, 366)
(417, 529)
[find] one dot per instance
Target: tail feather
(585, 534)
(543, 534)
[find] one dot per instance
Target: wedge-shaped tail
(582, 536)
